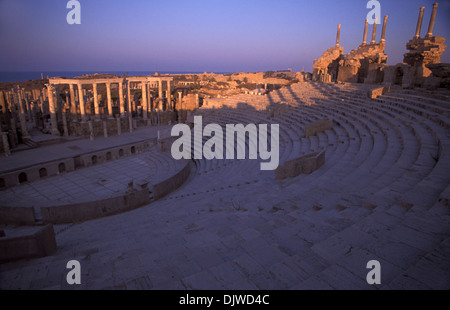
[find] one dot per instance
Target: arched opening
(121, 152)
(133, 150)
(108, 156)
(94, 159)
(398, 76)
(42, 172)
(61, 167)
(23, 177)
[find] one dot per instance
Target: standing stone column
(180, 98)
(81, 101)
(432, 20)
(374, 32)
(52, 109)
(108, 95)
(130, 112)
(338, 35)
(150, 102)
(169, 96)
(96, 107)
(419, 23)
(383, 31)
(365, 32)
(27, 105)
(73, 106)
(22, 116)
(44, 93)
(160, 94)
(144, 99)
(121, 101)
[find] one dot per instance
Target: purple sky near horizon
(198, 35)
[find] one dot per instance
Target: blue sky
(197, 35)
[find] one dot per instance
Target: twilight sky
(198, 35)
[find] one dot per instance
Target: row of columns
(144, 86)
(430, 26)
(374, 31)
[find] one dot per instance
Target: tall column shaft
(160, 94)
(108, 96)
(432, 20)
(169, 97)
(419, 23)
(52, 109)
(28, 105)
(73, 106)
(96, 107)
(149, 97)
(383, 31)
(44, 93)
(121, 101)
(180, 98)
(365, 32)
(374, 32)
(338, 35)
(22, 117)
(144, 100)
(81, 101)
(130, 112)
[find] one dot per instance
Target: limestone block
(303, 165)
(41, 243)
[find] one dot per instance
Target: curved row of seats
(380, 151)
(97, 182)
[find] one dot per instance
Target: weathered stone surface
(441, 70)
(327, 64)
(161, 189)
(314, 128)
(375, 93)
(17, 215)
(39, 244)
(94, 209)
(356, 66)
(424, 50)
(302, 165)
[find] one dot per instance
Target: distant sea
(25, 76)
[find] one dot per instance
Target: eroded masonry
(421, 66)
